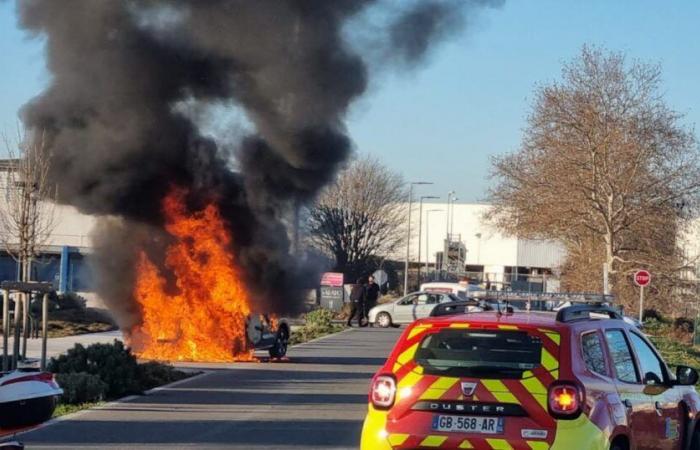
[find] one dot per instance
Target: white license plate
(469, 424)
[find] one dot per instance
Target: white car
(409, 308)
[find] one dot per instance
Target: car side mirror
(686, 376)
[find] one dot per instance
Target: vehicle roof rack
(452, 308)
(583, 312)
(574, 297)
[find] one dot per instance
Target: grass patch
(674, 344)
(73, 322)
(63, 408)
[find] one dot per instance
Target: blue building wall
(69, 270)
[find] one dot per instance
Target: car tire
(384, 320)
(279, 350)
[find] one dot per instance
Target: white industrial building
(488, 256)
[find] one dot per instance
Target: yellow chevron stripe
(409, 380)
(538, 445)
(548, 361)
(535, 387)
(500, 391)
(438, 388)
(555, 337)
(466, 444)
(499, 444)
(418, 330)
(433, 441)
(407, 355)
(459, 325)
(397, 439)
(508, 327)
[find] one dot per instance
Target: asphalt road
(315, 401)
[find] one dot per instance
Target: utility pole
(408, 233)
(427, 238)
(420, 228)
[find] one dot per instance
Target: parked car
(405, 310)
(578, 379)
(462, 290)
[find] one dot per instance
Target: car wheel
(281, 343)
(384, 320)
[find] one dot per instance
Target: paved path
(56, 346)
(316, 401)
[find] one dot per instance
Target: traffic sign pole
(642, 278)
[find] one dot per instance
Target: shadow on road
(251, 434)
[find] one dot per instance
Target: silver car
(409, 308)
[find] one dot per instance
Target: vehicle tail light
(565, 400)
(383, 392)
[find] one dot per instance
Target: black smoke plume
(124, 73)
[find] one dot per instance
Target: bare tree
(359, 218)
(27, 211)
(605, 167)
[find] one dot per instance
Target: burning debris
(126, 78)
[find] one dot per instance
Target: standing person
(371, 295)
(357, 302)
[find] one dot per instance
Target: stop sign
(642, 278)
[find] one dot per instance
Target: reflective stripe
(500, 391)
(459, 325)
(418, 330)
(538, 445)
(508, 327)
(410, 380)
(499, 444)
(535, 387)
(407, 355)
(466, 444)
(439, 388)
(397, 439)
(548, 361)
(433, 441)
(554, 337)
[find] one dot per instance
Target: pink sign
(334, 279)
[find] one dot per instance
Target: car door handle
(658, 408)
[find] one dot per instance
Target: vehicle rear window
(481, 353)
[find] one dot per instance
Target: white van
(462, 290)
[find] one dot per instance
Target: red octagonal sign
(642, 278)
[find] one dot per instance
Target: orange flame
(205, 320)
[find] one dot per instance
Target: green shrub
(153, 374)
(81, 387)
(320, 319)
(112, 363)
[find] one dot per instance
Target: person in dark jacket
(371, 295)
(357, 302)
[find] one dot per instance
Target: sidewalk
(57, 346)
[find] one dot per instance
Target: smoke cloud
(121, 139)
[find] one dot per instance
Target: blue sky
(443, 122)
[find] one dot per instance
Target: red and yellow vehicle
(578, 379)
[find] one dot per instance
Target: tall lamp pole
(447, 221)
(420, 228)
(427, 238)
(408, 232)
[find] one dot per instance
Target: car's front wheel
(279, 350)
(384, 320)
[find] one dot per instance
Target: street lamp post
(427, 238)
(408, 232)
(420, 227)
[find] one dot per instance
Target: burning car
(266, 333)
